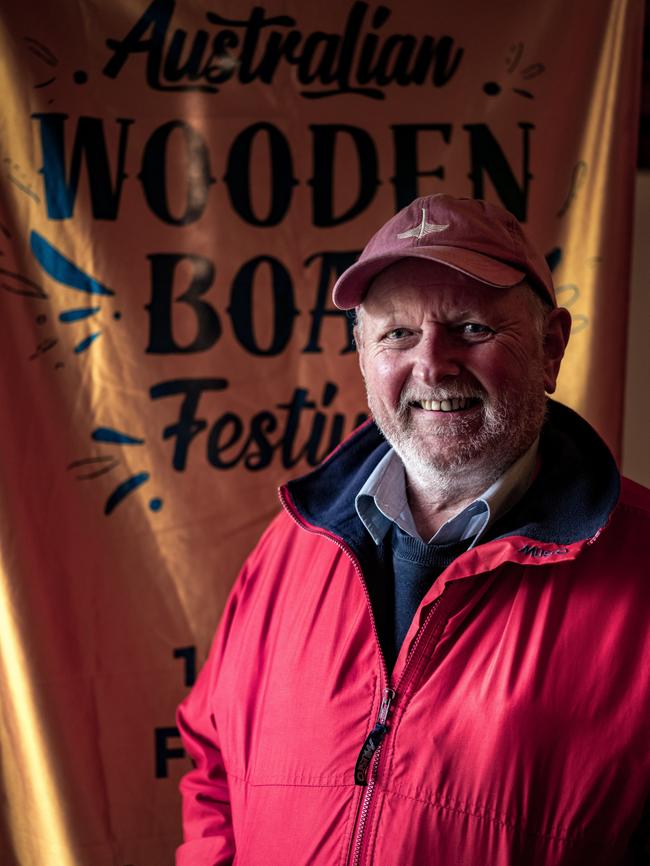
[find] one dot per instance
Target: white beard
(470, 453)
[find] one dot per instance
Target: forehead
(418, 283)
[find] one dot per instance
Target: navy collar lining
(569, 501)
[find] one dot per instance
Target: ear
(558, 328)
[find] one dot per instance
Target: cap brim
(351, 287)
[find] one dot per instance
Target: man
(439, 651)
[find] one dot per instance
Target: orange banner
(181, 186)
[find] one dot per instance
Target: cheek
(385, 377)
(503, 369)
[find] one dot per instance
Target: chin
(482, 449)
(452, 469)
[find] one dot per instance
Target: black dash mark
(109, 461)
(25, 287)
(533, 71)
(514, 56)
(43, 347)
(24, 188)
(41, 51)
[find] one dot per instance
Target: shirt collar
(382, 500)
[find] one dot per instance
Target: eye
(396, 334)
(474, 331)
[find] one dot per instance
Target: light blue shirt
(382, 500)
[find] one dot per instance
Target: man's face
(455, 370)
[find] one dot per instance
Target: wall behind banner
(180, 187)
(635, 461)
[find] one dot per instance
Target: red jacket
(517, 731)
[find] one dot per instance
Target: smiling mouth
(454, 404)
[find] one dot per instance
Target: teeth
(451, 405)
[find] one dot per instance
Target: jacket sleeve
(207, 825)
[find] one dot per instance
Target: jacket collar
(569, 501)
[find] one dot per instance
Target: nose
(437, 357)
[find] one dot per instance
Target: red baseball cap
(469, 235)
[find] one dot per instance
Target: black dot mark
(41, 320)
(80, 77)
(491, 88)
(117, 315)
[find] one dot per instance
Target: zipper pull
(373, 739)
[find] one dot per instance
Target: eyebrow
(468, 314)
(461, 315)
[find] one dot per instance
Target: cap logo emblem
(423, 228)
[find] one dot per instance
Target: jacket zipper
(379, 731)
(373, 740)
(365, 808)
(388, 695)
(369, 758)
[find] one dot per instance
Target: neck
(436, 498)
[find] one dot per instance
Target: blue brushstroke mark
(108, 434)
(77, 315)
(62, 269)
(155, 504)
(123, 491)
(84, 344)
